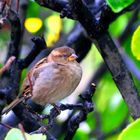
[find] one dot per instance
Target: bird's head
(63, 55)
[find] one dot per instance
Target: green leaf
(118, 5)
(37, 137)
(127, 48)
(33, 9)
(116, 110)
(109, 104)
(132, 132)
(113, 137)
(135, 43)
(81, 135)
(105, 89)
(16, 134)
(67, 25)
(91, 121)
(118, 26)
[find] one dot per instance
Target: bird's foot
(30, 109)
(39, 117)
(42, 129)
(56, 107)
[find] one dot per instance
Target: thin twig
(76, 119)
(6, 125)
(7, 65)
(22, 130)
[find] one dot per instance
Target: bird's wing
(49, 80)
(31, 76)
(26, 91)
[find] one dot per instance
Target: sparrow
(51, 79)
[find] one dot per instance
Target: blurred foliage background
(111, 114)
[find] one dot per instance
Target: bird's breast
(56, 82)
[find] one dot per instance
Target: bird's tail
(13, 104)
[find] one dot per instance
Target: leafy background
(111, 115)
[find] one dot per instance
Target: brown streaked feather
(26, 91)
(42, 61)
(28, 82)
(27, 86)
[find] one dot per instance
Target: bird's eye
(64, 55)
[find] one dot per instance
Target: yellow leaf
(33, 24)
(54, 23)
(135, 43)
(52, 38)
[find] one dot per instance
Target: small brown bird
(51, 79)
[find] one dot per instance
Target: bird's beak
(72, 57)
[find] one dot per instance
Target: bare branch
(14, 48)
